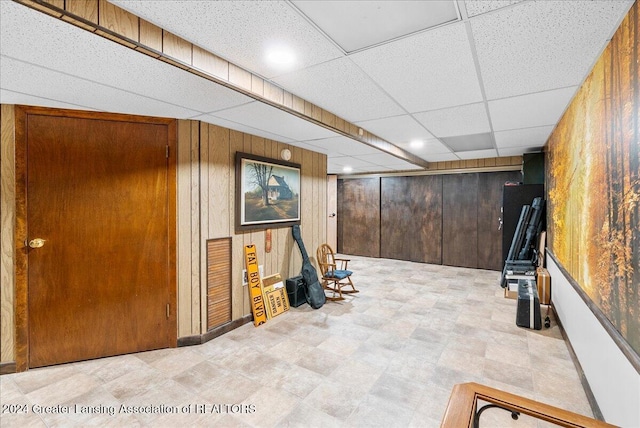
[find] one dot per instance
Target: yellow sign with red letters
(255, 285)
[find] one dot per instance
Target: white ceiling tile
(242, 128)
(11, 97)
(240, 31)
(344, 146)
(478, 154)
(432, 146)
(384, 159)
(340, 87)
(462, 120)
(533, 137)
(76, 52)
(428, 71)
(478, 7)
(271, 119)
(397, 129)
(350, 161)
(28, 79)
(542, 45)
(356, 25)
(525, 111)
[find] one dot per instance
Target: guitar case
(312, 288)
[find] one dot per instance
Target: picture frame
(267, 192)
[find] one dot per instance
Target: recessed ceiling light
(347, 169)
(417, 144)
(281, 57)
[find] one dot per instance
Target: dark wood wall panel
(359, 217)
(440, 219)
(411, 218)
(489, 203)
(459, 220)
(396, 218)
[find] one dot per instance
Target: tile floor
(386, 357)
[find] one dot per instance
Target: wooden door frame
(21, 227)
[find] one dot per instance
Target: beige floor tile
(462, 361)
(386, 356)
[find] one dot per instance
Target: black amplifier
(295, 291)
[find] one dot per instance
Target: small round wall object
(285, 154)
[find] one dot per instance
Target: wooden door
(332, 211)
(490, 186)
(98, 193)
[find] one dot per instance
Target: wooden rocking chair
(334, 276)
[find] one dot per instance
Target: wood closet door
(98, 194)
(490, 186)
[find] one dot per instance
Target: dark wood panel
(396, 218)
(426, 212)
(489, 202)
(411, 218)
(359, 216)
(459, 220)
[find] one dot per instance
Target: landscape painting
(268, 192)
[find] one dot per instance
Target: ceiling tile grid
(541, 45)
(428, 71)
(340, 87)
(240, 31)
(531, 55)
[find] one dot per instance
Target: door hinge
(168, 311)
(167, 152)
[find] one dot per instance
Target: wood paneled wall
(359, 217)
(206, 187)
(7, 221)
(449, 219)
(205, 210)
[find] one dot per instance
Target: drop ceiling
(470, 79)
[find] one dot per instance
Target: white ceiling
(506, 68)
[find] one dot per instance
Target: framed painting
(267, 192)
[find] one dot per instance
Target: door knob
(36, 243)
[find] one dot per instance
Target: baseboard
(7, 368)
(595, 409)
(199, 339)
